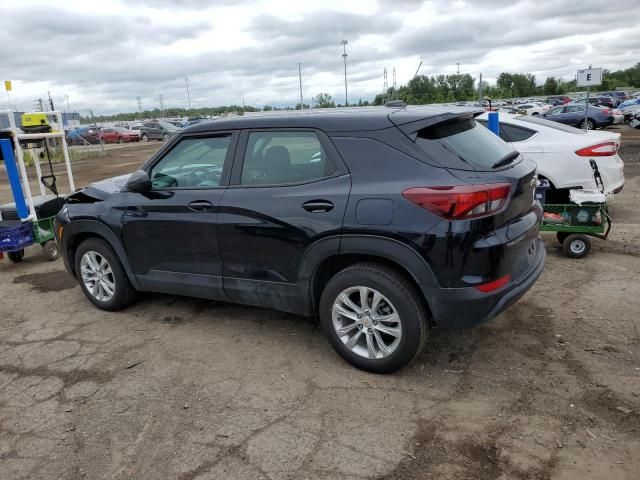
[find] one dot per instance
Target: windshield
(168, 126)
(461, 143)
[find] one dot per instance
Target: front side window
(193, 163)
(555, 111)
(273, 158)
(574, 109)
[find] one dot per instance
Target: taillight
(460, 202)
(605, 149)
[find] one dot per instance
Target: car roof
(333, 119)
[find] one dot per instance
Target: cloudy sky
(104, 54)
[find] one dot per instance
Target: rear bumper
(459, 308)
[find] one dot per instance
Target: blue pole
(494, 124)
(14, 177)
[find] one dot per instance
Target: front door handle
(200, 205)
(317, 206)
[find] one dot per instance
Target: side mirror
(138, 182)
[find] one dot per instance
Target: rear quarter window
(463, 144)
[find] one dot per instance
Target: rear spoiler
(410, 127)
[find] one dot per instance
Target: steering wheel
(197, 175)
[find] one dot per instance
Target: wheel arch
(78, 231)
(326, 258)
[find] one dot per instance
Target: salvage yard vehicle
(562, 153)
(118, 135)
(384, 222)
(157, 130)
(573, 114)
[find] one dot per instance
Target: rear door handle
(317, 206)
(200, 205)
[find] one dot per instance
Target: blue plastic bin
(15, 235)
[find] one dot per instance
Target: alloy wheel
(97, 276)
(366, 322)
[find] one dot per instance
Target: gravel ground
(189, 389)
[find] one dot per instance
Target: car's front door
(573, 114)
(170, 233)
(288, 190)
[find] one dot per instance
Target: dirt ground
(189, 389)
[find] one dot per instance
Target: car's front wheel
(101, 275)
(144, 137)
(373, 318)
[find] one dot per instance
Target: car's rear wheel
(121, 140)
(373, 318)
(101, 275)
(144, 137)
(591, 125)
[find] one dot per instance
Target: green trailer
(574, 224)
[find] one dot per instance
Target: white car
(562, 153)
(533, 108)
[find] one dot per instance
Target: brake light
(460, 202)
(605, 149)
(496, 284)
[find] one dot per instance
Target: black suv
(384, 222)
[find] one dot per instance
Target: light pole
(300, 80)
(344, 44)
(66, 97)
(458, 64)
(186, 81)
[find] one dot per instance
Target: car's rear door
(170, 233)
(288, 190)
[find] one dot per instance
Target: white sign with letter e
(589, 77)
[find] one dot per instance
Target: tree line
(420, 90)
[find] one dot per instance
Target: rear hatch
(475, 155)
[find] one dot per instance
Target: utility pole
(139, 99)
(66, 97)
(161, 101)
(186, 81)
(39, 105)
(458, 64)
(344, 44)
(385, 87)
(395, 89)
(480, 89)
(300, 80)
(50, 101)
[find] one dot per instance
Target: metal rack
(20, 156)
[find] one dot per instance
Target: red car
(118, 135)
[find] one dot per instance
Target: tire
(16, 257)
(576, 245)
(144, 137)
(121, 140)
(591, 125)
(535, 113)
(51, 250)
(122, 291)
(561, 236)
(401, 297)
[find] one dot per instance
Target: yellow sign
(7, 85)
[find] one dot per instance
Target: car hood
(104, 188)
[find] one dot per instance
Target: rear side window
(463, 144)
(274, 158)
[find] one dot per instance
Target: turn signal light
(460, 202)
(605, 149)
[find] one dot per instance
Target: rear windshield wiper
(506, 160)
